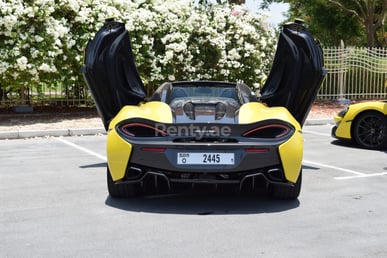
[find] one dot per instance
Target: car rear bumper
(162, 154)
(142, 175)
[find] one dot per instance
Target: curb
(326, 121)
(20, 134)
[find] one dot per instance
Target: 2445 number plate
(204, 158)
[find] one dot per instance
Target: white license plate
(204, 158)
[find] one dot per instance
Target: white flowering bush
(42, 41)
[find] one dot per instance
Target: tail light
(141, 130)
(257, 150)
(268, 131)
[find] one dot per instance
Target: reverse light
(268, 131)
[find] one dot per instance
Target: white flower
(234, 55)
(169, 55)
(33, 71)
(22, 63)
(177, 47)
(3, 67)
(171, 77)
(263, 43)
(34, 53)
(9, 21)
(44, 67)
(169, 38)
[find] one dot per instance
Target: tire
(370, 130)
(286, 192)
(121, 190)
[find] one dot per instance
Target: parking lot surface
(54, 203)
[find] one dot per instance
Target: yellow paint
(291, 153)
(118, 152)
(344, 124)
(254, 112)
(154, 110)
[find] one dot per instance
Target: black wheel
(369, 130)
(286, 192)
(121, 190)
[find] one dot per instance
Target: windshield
(203, 92)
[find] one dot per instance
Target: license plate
(204, 158)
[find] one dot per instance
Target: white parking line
(356, 174)
(336, 168)
(360, 176)
(81, 148)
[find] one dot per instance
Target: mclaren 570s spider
(200, 133)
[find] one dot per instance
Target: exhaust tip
(275, 174)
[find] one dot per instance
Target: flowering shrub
(42, 41)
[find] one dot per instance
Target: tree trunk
(22, 96)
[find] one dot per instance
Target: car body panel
(154, 110)
(118, 152)
(297, 72)
(344, 124)
(291, 153)
(255, 111)
(110, 71)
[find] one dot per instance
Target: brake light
(141, 130)
(257, 150)
(268, 131)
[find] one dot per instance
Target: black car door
(110, 71)
(297, 72)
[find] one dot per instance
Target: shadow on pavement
(351, 144)
(203, 204)
(97, 165)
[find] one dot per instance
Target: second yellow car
(364, 123)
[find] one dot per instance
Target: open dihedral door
(297, 72)
(110, 71)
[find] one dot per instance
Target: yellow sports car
(198, 133)
(364, 123)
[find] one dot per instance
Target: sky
(275, 11)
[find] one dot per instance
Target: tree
(42, 42)
(366, 16)
(370, 13)
(328, 23)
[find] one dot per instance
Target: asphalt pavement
(54, 203)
